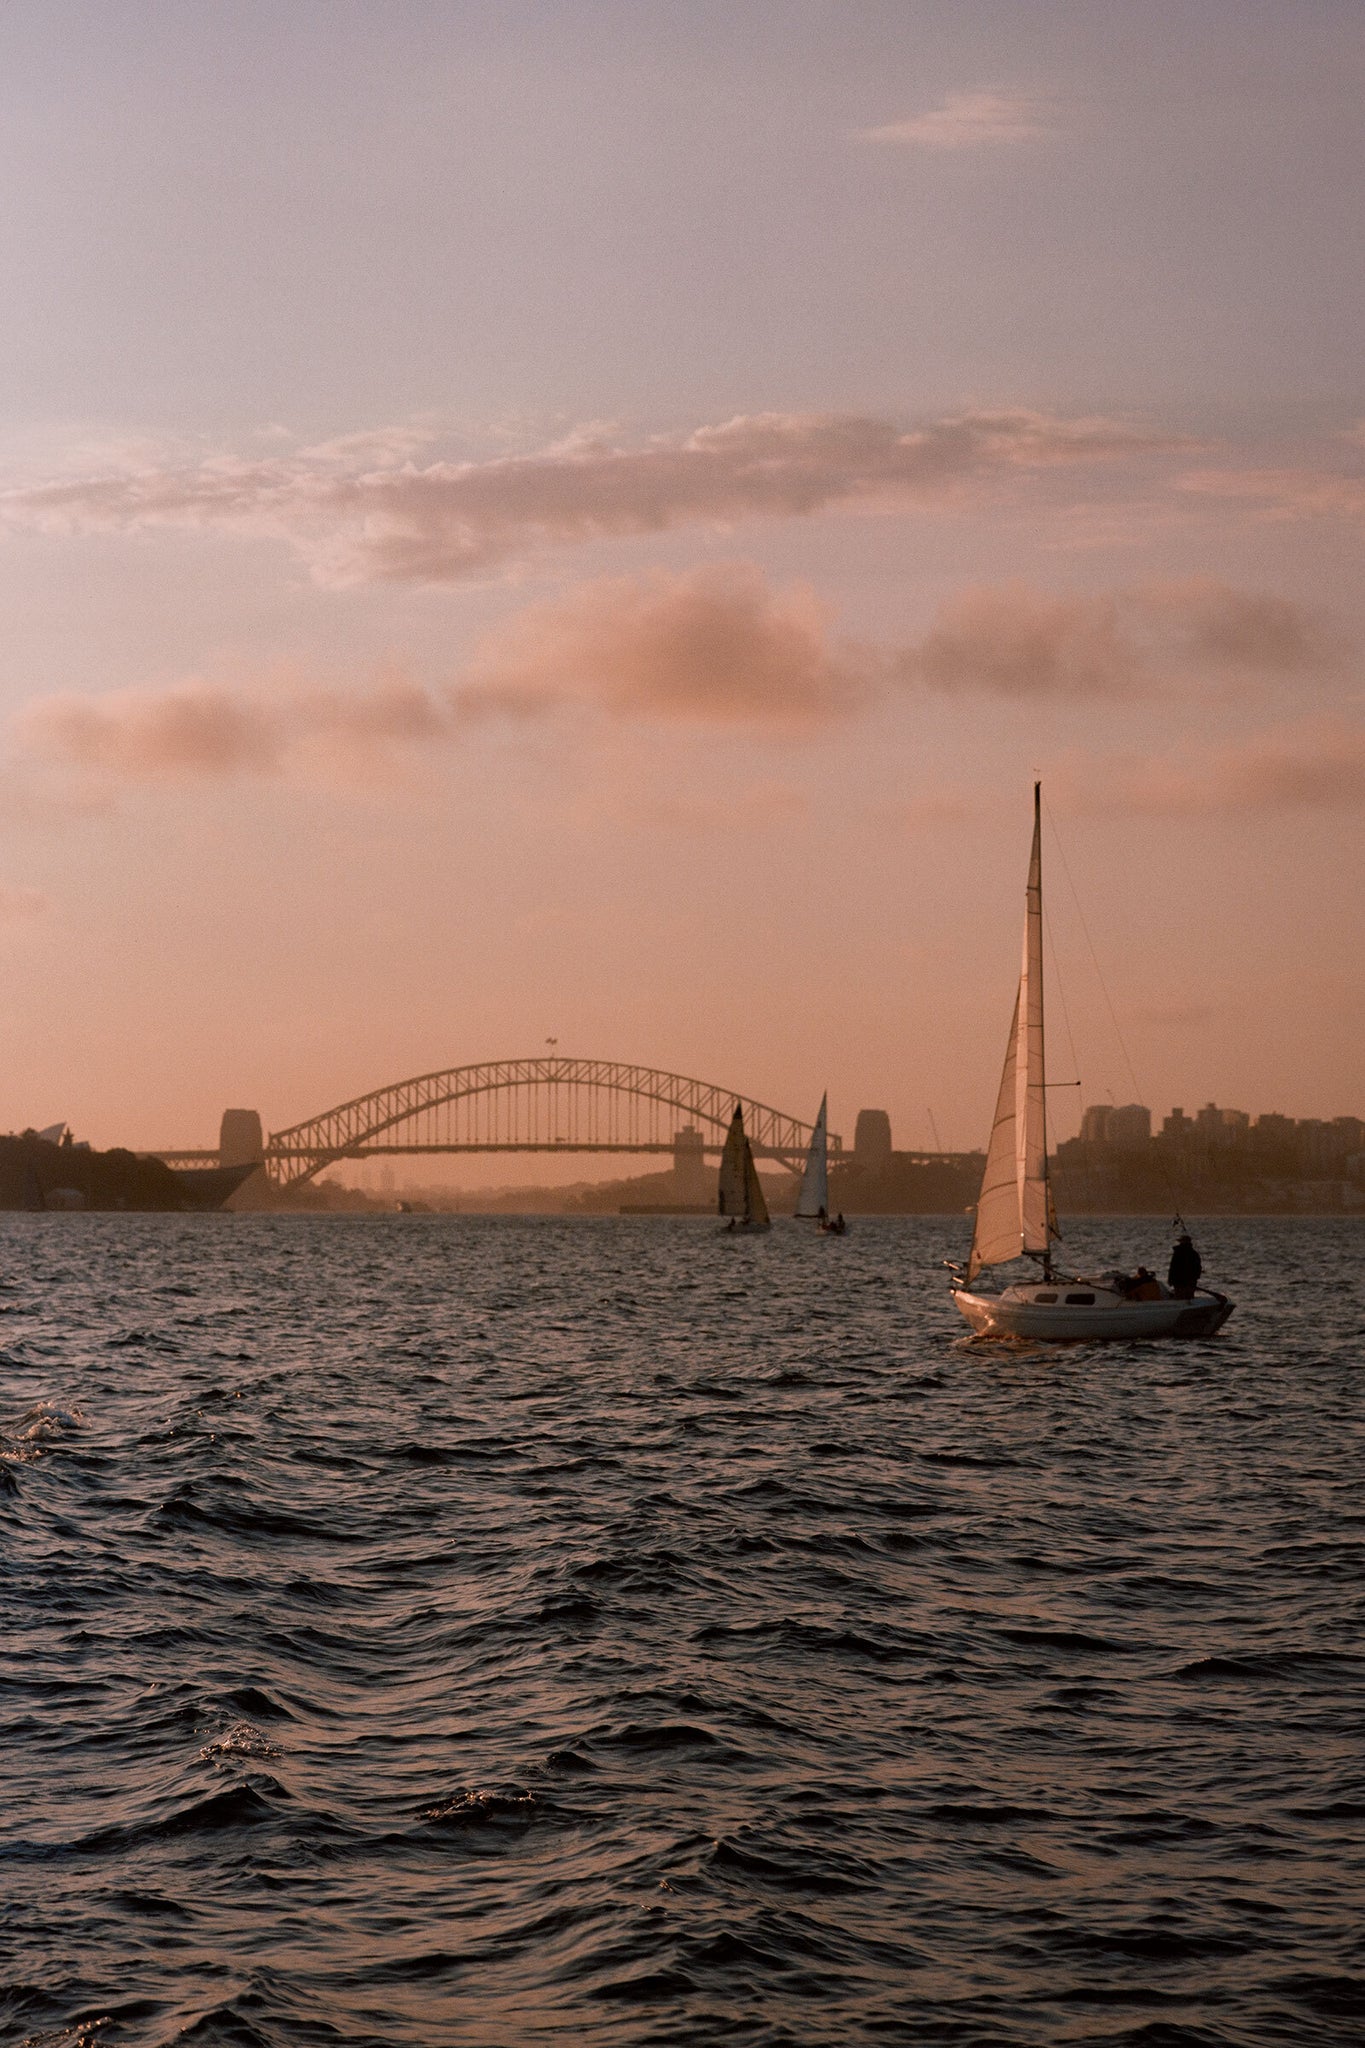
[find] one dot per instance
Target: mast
(1014, 1212)
(1035, 911)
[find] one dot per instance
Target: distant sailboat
(812, 1204)
(813, 1200)
(1015, 1216)
(740, 1195)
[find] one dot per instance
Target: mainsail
(813, 1199)
(740, 1194)
(1014, 1213)
(731, 1198)
(755, 1206)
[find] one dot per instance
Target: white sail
(731, 1194)
(1014, 1212)
(813, 1199)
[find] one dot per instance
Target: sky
(586, 519)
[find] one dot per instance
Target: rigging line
(1058, 983)
(1171, 1187)
(1094, 958)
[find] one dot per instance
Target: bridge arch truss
(534, 1105)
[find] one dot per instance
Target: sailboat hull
(1081, 1313)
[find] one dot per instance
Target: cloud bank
(401, 522)
(716, 649)
(967, 120)
(1012, 641)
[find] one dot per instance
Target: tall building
(1129, 1128)
(872, 1139)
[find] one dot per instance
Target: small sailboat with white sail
(1015, 1215)
(812, 1204)
(740, 1194)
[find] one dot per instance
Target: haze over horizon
(586, 519)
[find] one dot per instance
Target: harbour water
(442, 1630)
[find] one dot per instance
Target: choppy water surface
(446, 1630)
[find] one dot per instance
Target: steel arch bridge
(535, 1105)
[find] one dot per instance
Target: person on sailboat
(1186, 1265)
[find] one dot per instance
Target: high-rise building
(872, 1138)
(1130, 1128)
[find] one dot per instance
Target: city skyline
(510, 532)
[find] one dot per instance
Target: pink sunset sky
(585, 519)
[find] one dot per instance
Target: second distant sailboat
(741, 1192)
(812, 1203)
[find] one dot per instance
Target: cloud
(401, 522)
(1016, 642)
(194, 730)
(714, 647)
(967, 120)
(1284, 494)
(1316, 766)
(198, 732)
(1204, 621)
(1013, 641)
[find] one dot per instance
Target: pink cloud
(193, 730)
(713, 647)
(1016, 642)
(1284, 494)
(198, 732)
(1315, 766)
(967, 120)
(397, 521)
(1013, 641)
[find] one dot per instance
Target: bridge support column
(691, 1181)
(241, 1142)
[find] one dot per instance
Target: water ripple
(437, 1630)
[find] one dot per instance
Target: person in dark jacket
(1186, 1266)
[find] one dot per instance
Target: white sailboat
(812, 1203)
(740, 1195)
(1015, 1216)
